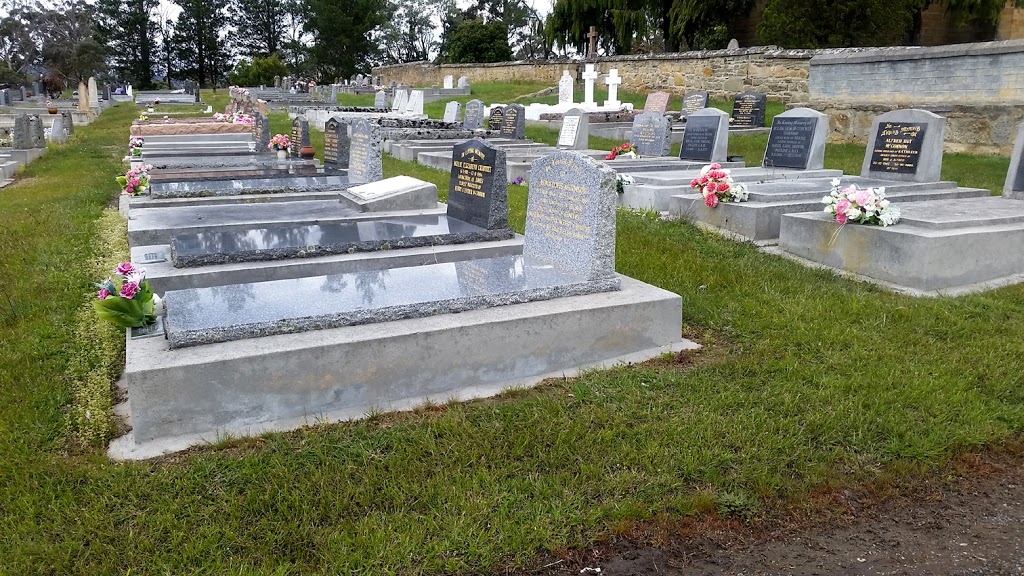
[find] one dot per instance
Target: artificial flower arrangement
(155, 101)
(125, 298)
(279, 142)
(135, 181)
(621, 180)
(626, 150)
(143, 117)
(861, 205)
(135, 145)
(517, 181)
(715, 185)
(240, 118)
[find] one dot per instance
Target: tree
(69, 49)
(197, 40)
(295, 47)
(408, 35)
(700, 24)
(259, 26)
(619, 23)
(18, 49)
(342, 32)
(476, 41)
(124, 27)
(259, 71)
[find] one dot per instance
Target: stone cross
(592, 35)
(589, 76)
(612, 81)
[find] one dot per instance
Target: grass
(807, 381)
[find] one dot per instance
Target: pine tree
(259, 26)
(197, 41)
(125, 28)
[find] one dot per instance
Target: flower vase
(307, 152)
(52, 110)
(282, 155)
(150, 109)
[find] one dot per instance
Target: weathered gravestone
(20, 137)
(262, 131)
(651, 134)
(496, 118)
(513, 124)
(299, 137)
(706, 138)
(463, 82)
(693, 101)
(106, 92)
(748, 110)
(401, 101)
(68, 121)
(905, 145)
(415, 105)
(336, 149)
(83, 97)
(36, 136)
(16, 95)
(57, 132)
(449, 82)
(474, 115)
(657, 102)
(575, 131)
(24, 93)
(570, 214)
(565, 88)
(5, 97)
(1014, 187)
(380, 100)
(94, 94)
(797, 140)
(478, 188)
(37, 88)
(364, 159)
(452, 111)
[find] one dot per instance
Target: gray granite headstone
(513, 123)
(262, 131)
(380, 100)
(657, 102)
(693, 101)
(706, 138)
(364, 161)
(797, 140)
(650, 134)
(21, 139)
(299, 137)
(57, 132)
(37, 88)
(69, 121)
(24, 93)
(478, 189)
(496, 118)
(575, 131)
(463, 82)
(570, 214)
(748, 110)
(452, 111)
(905, 145)
(106, 92)
(1014, 187)
(474, 115)
(336, 150)
(37, 138)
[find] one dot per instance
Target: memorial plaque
(650, 134)
(336, 152)
(570, 214)
(694, 101)
(575, 131)
(364, 160)
(513, 124)
(789, 142)
(748, 110)
(657, 102)
(478, 189)
(474, 115)
(700, 138)
(898, 147)
(494, 121)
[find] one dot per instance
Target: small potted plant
(50, 107)
(280, 144)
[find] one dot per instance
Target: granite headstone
(513, 124)
(650, 134)
(380, 100)
(748, 110)
(478, 189)
(452, 111)
(657, 102)
(37, 138)
(364, 161)
(69, 121)
(336, 152)
(905, 145)
(706, 138)
(5, 97)
(474, 115)
(575, 131)
(20, 137)
(299, 137)
(496, 118)
(693, 101)
(797, 140)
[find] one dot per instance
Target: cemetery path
(970, 525)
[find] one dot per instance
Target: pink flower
(862, 197)
(842, 206)
(849, 189)
(125, 268)
(129, 290)
(715, 166)
(694, 183)
(103, 294)
(712, 188)
(711, 200)
(723, 187)
(841, 217)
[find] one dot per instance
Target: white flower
(829, 210)
(835, 182)
(828, 199)
(853, 213)
(705, 170)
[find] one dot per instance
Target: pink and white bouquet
(715, 185)
(135, 145)
(279, 142)
(861, 205)
(240, 118)
(135, 181)
(125, 298)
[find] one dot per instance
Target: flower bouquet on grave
(621, 180)
(860, 205)
(125, 298)
(219, 117)
(135, 145)
(279, 143)
(715, 185)
(135, 182)
(241, 118)
(625, 150)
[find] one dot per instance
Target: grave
(387, 339)
(513, 123)
(380, 100)
(463, 82)
(452, 111)
(474, 115)
(657, 102)
(796, 140)
(415, 105)
(299, 137)
(94, 95)
(575, 131)
(692, 102)
(906, 145)
(449, 82)
(650, 134)
(57, 132)
(589, 76)
(495, 119)
(748, 110)
(612, 81)
(706, 138)
(336, 149)
(401, 101)
(245, 184)
(365, 163)
(566, 86)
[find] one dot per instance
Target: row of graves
(284, 307)
(185, 96)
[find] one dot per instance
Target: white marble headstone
(566, 85)
(612, 81)
(452, 111)
(415, 105)
(449, 82)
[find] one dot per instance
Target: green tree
(476, 41)
(408, 34)
(342, 34)
(124, 27)
(197, 40)
(259, 26)
(700, 24)
(258, 71)
(619, 23)
(69, 49)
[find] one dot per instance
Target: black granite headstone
(748, 110)
(898, 147)
(300, 136)
(694, 101)
(335, 144)
(513, 125)
(699, 138)
(494, 121)
(789, 142)
(478, 192)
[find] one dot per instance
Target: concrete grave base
(944, 247)
(196, 395)
(126, 202)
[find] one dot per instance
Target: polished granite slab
(281, 242)
(222, 314)
(815, 188)
(237, 186)
(279, 171)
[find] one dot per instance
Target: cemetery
(524, 316)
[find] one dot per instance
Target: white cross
(589, 75)
(613, 80)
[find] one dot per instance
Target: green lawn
(807, 381)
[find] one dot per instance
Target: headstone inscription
(657, 102)
(474, 115)
(650, 134)
(496, 119)
(478, 189)
(336, 152)
(463, 82)
(797, 140)
(300, 136)
(570, 214)
(364, 159)
(20, 138)
(380, 100)
(1014, 187)
(905, 145)
(694, 101)
(513, 125)
(452, 111)
(748, 110)
(566, 85)
(706, 138)
(575, 131)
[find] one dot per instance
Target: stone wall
(781, 74)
